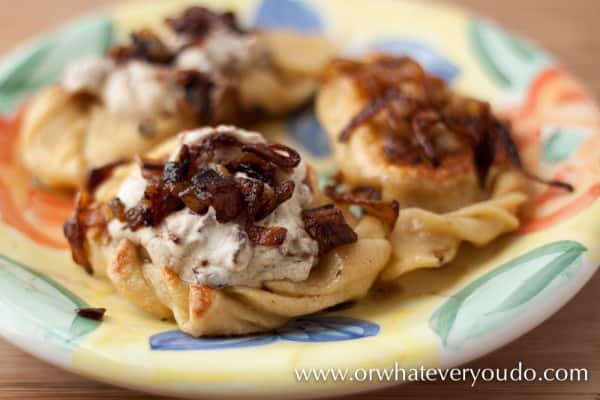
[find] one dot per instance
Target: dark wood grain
(567, 28)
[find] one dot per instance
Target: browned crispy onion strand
(513, 153)
(86, 214)
(418, 107)
(272, 153)
(98, 175)
(328, 227)
(199, 92)
(367, 113)
(145, 45)
(369, 199)
(197, 22)
(422, 122)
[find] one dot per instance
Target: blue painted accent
(305, 129)
(177, 340)
(327, 329)
(288, 14)
(317, 328)
(433, 61)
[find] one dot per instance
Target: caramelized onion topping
(204, 97)
(369, 199)
(87, 214)
(198, 92)
(369, 111)
(145, 46)
(118, 209)
(266, 236)
(195, 22)
(272, 153)
(198, 22)
(202, 175)
(96, 176)
(513, 153)
(84, 217)
(253, 166)
(413, 109)
(328, 227)
(75, 233)
(220, 192)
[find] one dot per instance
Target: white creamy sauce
(132, 189)
(136, 89)
(220, 50)
(194, 58)
(198, 135)
(141, 90)
(203, 251)
(87, 75)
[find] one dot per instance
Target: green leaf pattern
(509, 61)
(29, 299)
(561, 143)
(499, 295)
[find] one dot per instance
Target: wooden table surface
(568, 28)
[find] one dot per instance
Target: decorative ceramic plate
(442, 317)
